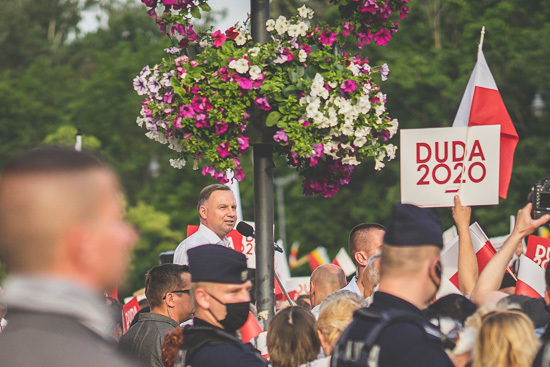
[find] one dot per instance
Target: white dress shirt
(204, 236)
(352, 286)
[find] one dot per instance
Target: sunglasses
(179, 291)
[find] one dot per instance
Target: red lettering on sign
(456, 157)
(476, 151)
(445, 152)
(423, 181)
(418, 151)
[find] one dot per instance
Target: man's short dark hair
(207, 192)
(51, 160)
(357, 236)
(162, 279)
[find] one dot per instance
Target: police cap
(410, 225)
(217, 264)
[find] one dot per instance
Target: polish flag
(343, 260)
(318, 257)
(250, 329)
(483, 248)
(532, 267)
(482, 105)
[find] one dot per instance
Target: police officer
(220, 289)
(410, 278)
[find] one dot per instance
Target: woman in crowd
(335, 314)
(291, 338)
(505, 339)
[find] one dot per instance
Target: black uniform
(206, 345)
(403, 343)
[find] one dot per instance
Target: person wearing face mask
(221, 294)
(410, 275)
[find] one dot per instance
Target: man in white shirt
(218, 215)
(365, 240)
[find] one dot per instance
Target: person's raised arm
(467, 260)
(488, 283)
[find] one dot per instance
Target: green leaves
(272, 118)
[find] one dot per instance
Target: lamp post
(263, 185)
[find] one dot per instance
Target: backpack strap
(366, 351)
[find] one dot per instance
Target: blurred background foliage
(55, 79)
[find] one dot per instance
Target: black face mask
(236, 315)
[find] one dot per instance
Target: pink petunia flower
(220, 127)
(219, 38)
(382, 37)
(281, 136)
(262, 103)
(243, 143)
(348, 86)
(223, 149)
(327, 37)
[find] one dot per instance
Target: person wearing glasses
(167, 290)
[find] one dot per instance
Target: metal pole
(263, 218)
(263, 189)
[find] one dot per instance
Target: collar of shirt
(212, 237)
(386, 301)
(60, 296)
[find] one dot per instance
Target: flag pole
(481, 38)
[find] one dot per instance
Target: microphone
(246, 230)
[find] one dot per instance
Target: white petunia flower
(270, 25)
(350, 161)
(302, 56)
(281, 25)
(379, 165)
(347, 129)
(255, 72)
(303, 27)
(254, 51)
(178, 163)
(241, 65)
(390, 151)
(175, 144)
(362, 132)
(240, 39)
(305, 12)
(354, 68)
(359, 142)
(393, 127)
(293, 30)
(380, 109)
(139, 121)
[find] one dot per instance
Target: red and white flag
(483, 248)
(532, 266)
(343, 260)
(318, 257)
(483, 105)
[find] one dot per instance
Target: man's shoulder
(226, 355)
(213, 347)
(406, 338)
(55, 340)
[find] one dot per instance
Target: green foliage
(65, 136)
(155, 237)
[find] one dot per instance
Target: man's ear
(202, 212)
(361, 258)
(202, 298)
(169, 299)
(546, 297)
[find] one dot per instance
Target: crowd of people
(65, 241)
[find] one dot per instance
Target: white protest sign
(439, 163)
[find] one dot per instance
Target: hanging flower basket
(325, 111)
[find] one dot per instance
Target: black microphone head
(245, 229)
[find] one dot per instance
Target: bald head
(325, 280)
(55, 204)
